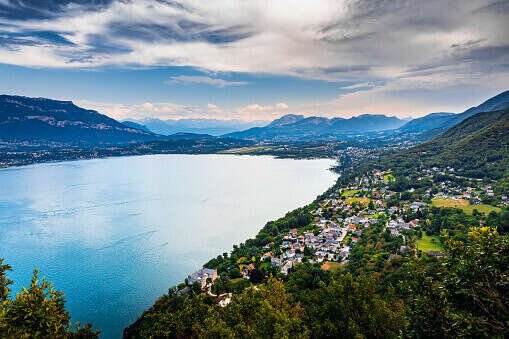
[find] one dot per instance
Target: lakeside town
(339, 220)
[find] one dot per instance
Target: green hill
(477, 146)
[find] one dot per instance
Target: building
(276, 262)
(201, 276)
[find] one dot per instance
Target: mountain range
(293, 127)
(444, 121)
(41, 120)
(45, 120)
(297, 127)
(215, 127)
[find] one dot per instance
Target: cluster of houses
(324, 245)
(395, 227)
(335, 238)
(328, 244)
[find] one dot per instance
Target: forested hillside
(478, 146)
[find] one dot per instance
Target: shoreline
(2, 167)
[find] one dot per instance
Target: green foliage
(350, 307)
(264, 313)
(235, 273)
(256, 276)
(4, 282)
(38, 311)
(478, 146)
(196, 287)
(468, 297)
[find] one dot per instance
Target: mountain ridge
(444, 121)
(478, 146)
(298, 127)
(47, 120)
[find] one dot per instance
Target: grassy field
(363, 201)
(352, 192)
(444, 202)
(425, 244)
(486, 209)
(389, 177)
(333, 266)
(463, 204)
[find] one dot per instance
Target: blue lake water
(114, 234)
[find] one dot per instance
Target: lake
(114, 234)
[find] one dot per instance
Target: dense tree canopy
(37, 311)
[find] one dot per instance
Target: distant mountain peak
(285, 120)
(297, 127)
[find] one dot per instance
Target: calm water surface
(114, 234)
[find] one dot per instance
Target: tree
(256, 276)
(350, 307)
(235, 273)
(253, 251)
(38, 311)
(468, 295)
(4, 282)
(196, 287)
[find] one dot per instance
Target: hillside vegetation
(478, 147)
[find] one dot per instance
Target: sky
(256, 59)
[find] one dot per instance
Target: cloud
(412, 47)
(168, 110)
(256, 107)
(205, 80)
(326, 39)
(359, 85)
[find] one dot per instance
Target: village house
(201, 276)
(247, 269)
(276, 262)
(286, 267)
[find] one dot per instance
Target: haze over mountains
(214, 127)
